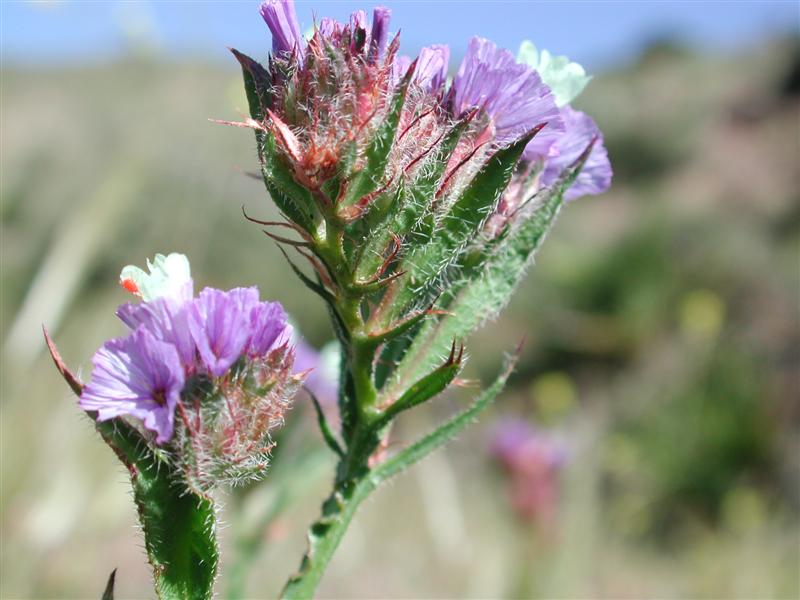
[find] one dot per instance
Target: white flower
(169, 276)
(565, 79)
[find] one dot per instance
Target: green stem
(179, 527)
(326, 533)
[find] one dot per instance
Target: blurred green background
(662, 344)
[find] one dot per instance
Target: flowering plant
(417, 200)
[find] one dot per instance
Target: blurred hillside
(661, 323)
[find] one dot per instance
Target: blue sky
(596, 33)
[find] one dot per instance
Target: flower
(595, 176)
(281, 19)
(138, 376)
(532, 459)
(566, 79)
(220, 326)
(380, 32)
(513, 95)
(169, 276)
(166, 319)
(268, 327)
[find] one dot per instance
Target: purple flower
(323, 380)
(358, 20)
(167, 319)
(220, 326)
(532, 460)
(519, 446)
(512, 94)
(138, 376)
(400, 67)
(431, 70)
(268, 324)
(595, 177)
(432, 66)
(281, 19)
(380, 32)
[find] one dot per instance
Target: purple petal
(513, 95)
(595, 177)
(281, 19)
(400, 68)
(432, 66)
(220, 326)
(138, 376)
(380, 32)
(166, 319)
(267, 322)
(358, 20)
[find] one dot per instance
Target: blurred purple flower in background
(323, 379)
(532, 460)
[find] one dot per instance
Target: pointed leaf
(425, 389)
(322, 421)
(483, 289)
(294, 201)
(256, 85)
(444, 433)
(108, 593)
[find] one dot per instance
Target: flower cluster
(333, 90)
(210, 375)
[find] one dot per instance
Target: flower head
(211, 376)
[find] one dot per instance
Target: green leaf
(179, 527)
(256, 85)
(425, 389)
(414, 199)
(294, 201)
(481, 290)
(108, 593)
(424, 264)
(444, 433)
